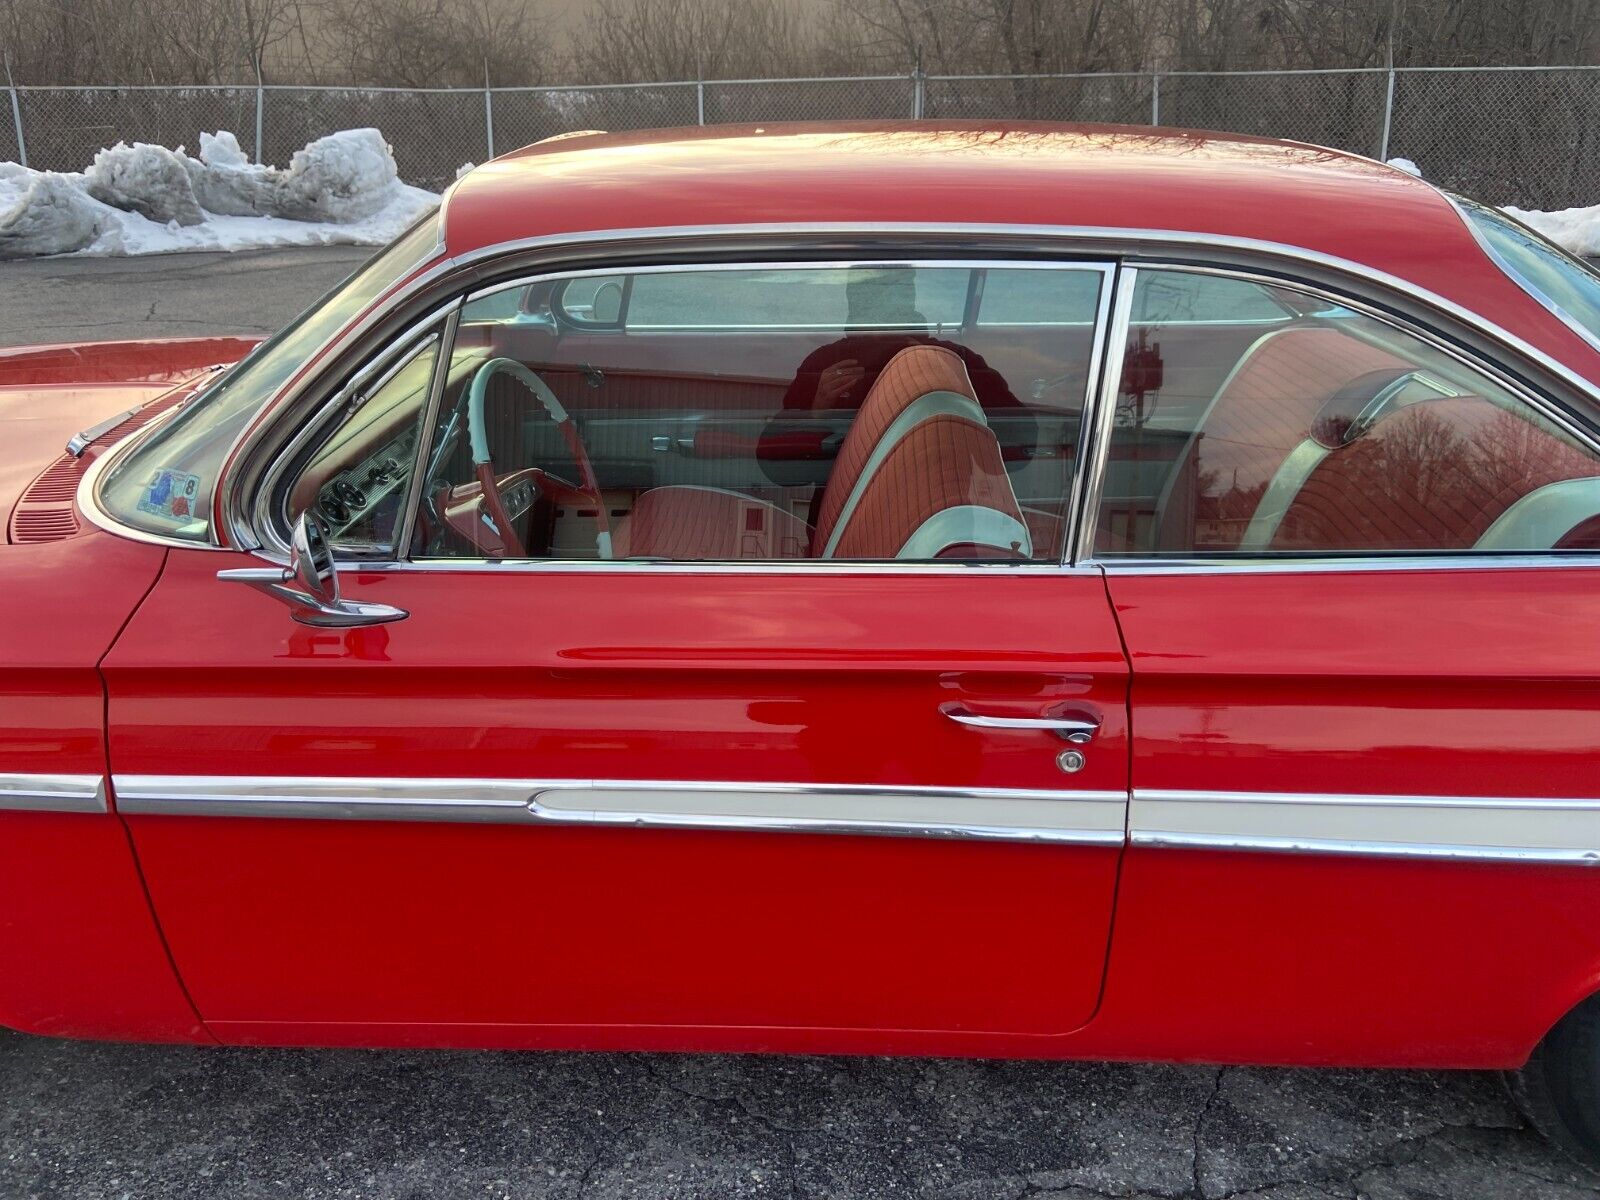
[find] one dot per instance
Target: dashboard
(366, 497)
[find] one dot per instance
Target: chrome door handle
(1077, 729)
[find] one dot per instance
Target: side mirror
(309, 585)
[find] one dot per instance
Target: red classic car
(1017, 591)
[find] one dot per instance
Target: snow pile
(1406, 165)
(1577, 230)
(144, 199)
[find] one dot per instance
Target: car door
(568, 801)
(1357, 584)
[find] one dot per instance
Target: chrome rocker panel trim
(1079, 818)
(53, 793)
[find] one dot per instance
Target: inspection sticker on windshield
(171, 494)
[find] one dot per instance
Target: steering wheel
(491, 496)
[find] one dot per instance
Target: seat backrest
(938, 490)
(914, 373)
(1454, 473)
(1264, 409)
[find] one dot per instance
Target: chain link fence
(1524, 135)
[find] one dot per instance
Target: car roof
(928, 173)
(1017, 173)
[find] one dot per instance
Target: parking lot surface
(85, 1120)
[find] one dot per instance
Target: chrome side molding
(1486, 828)
(53, 793)
(1080, 818)
(1465, 828)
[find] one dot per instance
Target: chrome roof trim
(52, 793)
(481, 263)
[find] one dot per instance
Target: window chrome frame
(1357, 561)
(270, 519)
(1275, 262)
(272, 493)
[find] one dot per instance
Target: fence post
(1388, 119)
(16, 115)
(488, 110)
(260, 99)
(1155, 97)
(700, 101)
(919, 97)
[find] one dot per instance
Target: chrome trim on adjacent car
(1456, 827)
(53, 793)
(1003, 814)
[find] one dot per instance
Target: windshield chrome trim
(768, 238)
(1527, 285)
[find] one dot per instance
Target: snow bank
(1406, 165)
(143, 199)
(1575, 229)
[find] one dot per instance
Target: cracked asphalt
(86, 1120)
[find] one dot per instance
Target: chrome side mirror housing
(309, 585)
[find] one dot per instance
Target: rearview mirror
(309, 585)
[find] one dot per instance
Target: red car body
(1441, 689)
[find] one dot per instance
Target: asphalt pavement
(87, 1120)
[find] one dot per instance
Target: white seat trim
(977, 524)
(1286, 483)
(925, 407)
(1539, 520)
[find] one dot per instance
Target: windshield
(1554, 277)
(165, 485)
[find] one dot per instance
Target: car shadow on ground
(91, 1120)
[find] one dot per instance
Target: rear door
(1359, 590)
(577, 802)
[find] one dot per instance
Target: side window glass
(761, 414)
(358, 479)
(1328, 432)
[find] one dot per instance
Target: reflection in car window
(830, 298)
(165, 485)
(1037, 297)
(1169, 297)
(1539, 266)
(1329, 435)
(767, 414)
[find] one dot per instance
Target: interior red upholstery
(1431, 476)
(709, 523)
(704, 523)
(1263, 410)
(942, 463)
(913, 372)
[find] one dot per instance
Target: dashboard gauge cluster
(355, 494)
